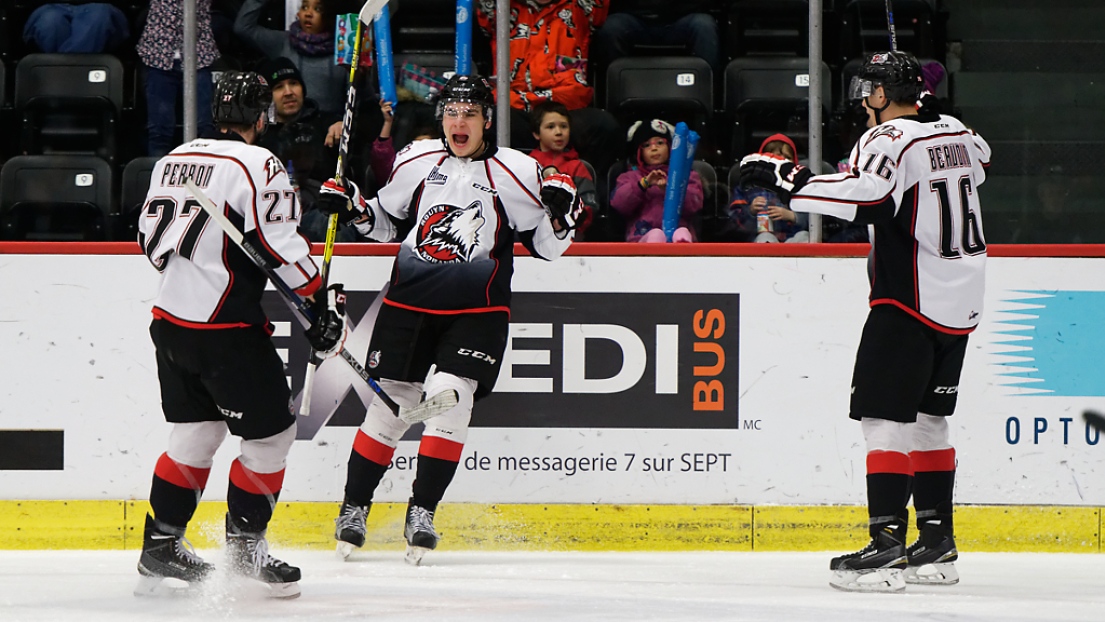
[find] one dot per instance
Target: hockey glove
(774, 173)
(327, 333)
(558, 194)
(345, 201)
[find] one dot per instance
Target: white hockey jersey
(459, 256)
(206, 280)
(916, 180)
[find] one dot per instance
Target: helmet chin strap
(878, 111)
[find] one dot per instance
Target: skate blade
(283, 591)
(932, 574)
(345, 549)
(163, 587)
(887, 580)
(414, 555)
(436, 405)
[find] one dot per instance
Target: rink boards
(673, 399)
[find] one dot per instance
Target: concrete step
(1004, 88)
(999, 55)
(1055, 20)
(1017, 157)
(1031, 123)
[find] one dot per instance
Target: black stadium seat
(135, 184)
(651, 86)
(69, 103)
(56, 197)
(765, 95)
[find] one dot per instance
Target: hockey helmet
(241, 97)
(473, 89)
(898, 73)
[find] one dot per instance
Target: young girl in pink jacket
(639, 194)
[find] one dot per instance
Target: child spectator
(760, 210)
(552, 127)
(639, 194)
(382, 154)
(65, 28)
(160, 48)
(308, 42)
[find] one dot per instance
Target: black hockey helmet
(241, 97)
(473, 89)
(898, 73)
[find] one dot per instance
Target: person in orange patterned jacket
(549, 44)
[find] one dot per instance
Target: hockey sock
(252, 496)
(889, 478)
(368, 462)
(176, 491)
(438, 460)
(933, 484)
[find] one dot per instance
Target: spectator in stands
(308, 42)
(66, 28)
(381, 156)
(659, 22)
(552, 127)
(639, 194)
(761, 210)
(549, 44)
(300, 138)
(160, 49)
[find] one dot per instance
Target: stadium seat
(765, 95)
(135, 184)
(56, 197)
(69, 103)
(767, 27)
(653, 86)
(672, 88)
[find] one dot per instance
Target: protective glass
(860, 88)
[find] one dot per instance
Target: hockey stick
(1095, 419)
(422, 411)
(296, 301)
(890, 24)
(343, 150)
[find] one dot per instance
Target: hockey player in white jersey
(443, 324)
(914, 176)
(218, 369)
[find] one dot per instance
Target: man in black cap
(299, 138)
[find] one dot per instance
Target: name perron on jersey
(459, 255)
(916, 180)
(206, 280)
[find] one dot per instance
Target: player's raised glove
(327, 332)
(558, 194)
(343, 199)
(774, 173)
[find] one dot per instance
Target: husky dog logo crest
(449, 234)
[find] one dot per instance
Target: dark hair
(537, 115)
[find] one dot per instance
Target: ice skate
(349, 527)
(248, 556)
(932, 557)
(420, 534)
(167, 555)
(878, 567)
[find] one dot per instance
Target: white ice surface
(94, 586)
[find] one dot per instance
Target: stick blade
(370, 9)
(428, 409)
(1095, 419)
